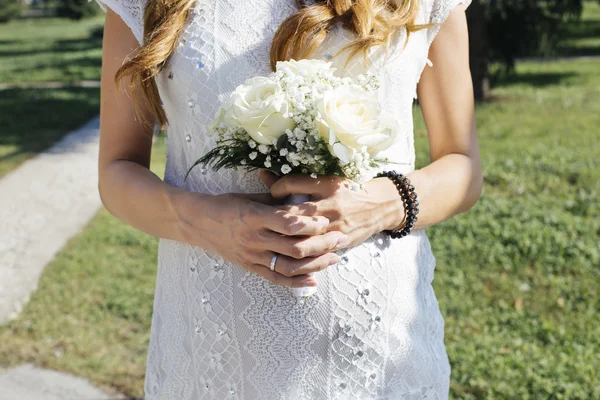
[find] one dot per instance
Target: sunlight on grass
(39, 50)
(583, 37)
(50, 49)
(34, 119)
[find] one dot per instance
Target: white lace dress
(373, 330)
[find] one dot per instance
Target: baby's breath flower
(252, 155)
(286, 169)
(267, 164)
(283, 152)
(263, 148)
(252, 144)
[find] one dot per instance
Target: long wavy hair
(299, 36)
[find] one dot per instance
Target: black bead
(409, 200)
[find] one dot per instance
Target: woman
(224, 323)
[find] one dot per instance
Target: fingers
(289, 267)
(285, 223)
(279, 279)
(267, 177)
(263, 198)
(302, 184)
(312, 246)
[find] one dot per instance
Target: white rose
(261, 108)
(350, 121)
(305, 66)
(388, 134)
(223, 115)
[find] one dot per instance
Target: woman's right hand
(248, 231)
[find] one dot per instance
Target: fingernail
(341, 240)
(310, 282)
(323, 221)
(334, 260)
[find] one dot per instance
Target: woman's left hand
(357, 213)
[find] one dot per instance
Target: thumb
(264, 198)
(267, 177)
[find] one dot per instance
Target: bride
(225, 325)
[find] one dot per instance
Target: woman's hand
(358, 214)
(246, 230)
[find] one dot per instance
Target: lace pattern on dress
(373, 330)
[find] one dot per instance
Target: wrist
(184, 205)
(392, 212)
(409, 200)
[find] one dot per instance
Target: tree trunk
(478, 49)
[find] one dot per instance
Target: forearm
(135, 195)
(446, 187)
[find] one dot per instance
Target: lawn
(583, 37)
(37, 51)
(517, 277)
(33, 119)
(50, 49)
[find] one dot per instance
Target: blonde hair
(299, 36)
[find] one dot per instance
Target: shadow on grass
(535, 79)
(579, 51)
(584, 30)
(57, 48)
(34, 119)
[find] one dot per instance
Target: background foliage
(77, 9)
(9, 9)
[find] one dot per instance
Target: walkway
(31, 383)
(43, 203)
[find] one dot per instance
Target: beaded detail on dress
(373, 329)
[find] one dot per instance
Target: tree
(503, 30)
(77, 9)
(9, 9)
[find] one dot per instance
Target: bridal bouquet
(302, 119)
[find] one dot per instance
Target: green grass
(583, 37)
(39, 50)
(50, 49)
(517, 277)
(33, 119)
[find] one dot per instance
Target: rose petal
(341, 152)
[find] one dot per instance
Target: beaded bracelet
(409, 199)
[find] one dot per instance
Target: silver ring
(273, 261)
